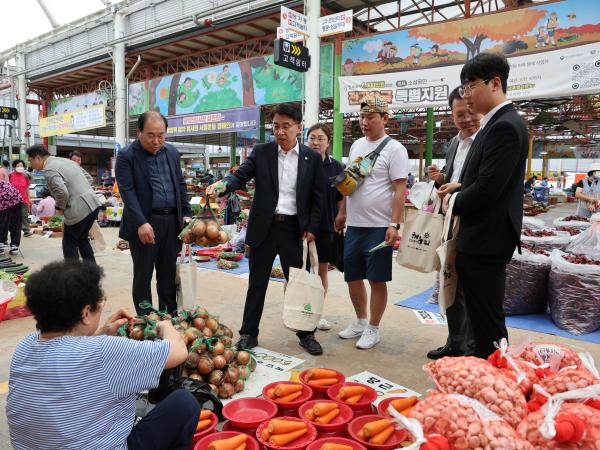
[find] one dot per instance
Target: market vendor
(73, 385)
(588, 192)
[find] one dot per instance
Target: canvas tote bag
(421, 237)
(448, 276)
(304, 295)
(186, 280)
(96, 238)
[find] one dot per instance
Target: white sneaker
(370, 337)
(324, 325)
(353, 330)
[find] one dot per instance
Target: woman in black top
(319, 137)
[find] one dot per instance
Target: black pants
(161, 256)
(460, 335)
(10, 221)
(284, 238)
(76, 238)
(170, 425)
(482, 279)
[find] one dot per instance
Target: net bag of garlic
(518, 370)
(542, 353)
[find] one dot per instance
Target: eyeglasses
(317, 138)
(467, 89)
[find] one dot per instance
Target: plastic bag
(572, 295)
(526, 283)
(587, 242)
(238, 242)
(422, 193)
(558, 239)
(533, 223)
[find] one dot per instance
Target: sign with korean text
(8, 113)
(225, 121)
(291, 56)
(292, 36)
(586, 152)
(430, 318)
(71, 122)
(275, 360)
(384, 388)
(335, 23)
(294, 21)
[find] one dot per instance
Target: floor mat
(541, 323)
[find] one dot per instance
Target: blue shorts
(359, 264)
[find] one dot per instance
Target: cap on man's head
(374, 103)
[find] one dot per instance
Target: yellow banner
(71, 122)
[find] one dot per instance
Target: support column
(429, 144)
(421, 174)
(338, 117)
(261, 130)
(529, 157)
(311, 80)
(119, 82)
(22, 103)
(233, 150)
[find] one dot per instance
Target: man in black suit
(155, 207)
(459, 340)
(490, 200)
(287, 207)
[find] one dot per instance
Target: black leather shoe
(311, 345)
(246, 341)
(443, 351)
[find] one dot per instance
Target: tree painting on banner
(518, 32)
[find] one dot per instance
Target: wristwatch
(395, 225)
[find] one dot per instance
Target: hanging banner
(71, 122)
(226, 121)
(70, 104)
(553, 50)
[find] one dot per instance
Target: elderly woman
(73, 385)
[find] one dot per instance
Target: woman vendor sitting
(73, 385)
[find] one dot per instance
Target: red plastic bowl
(297, 444)
(337, 423)
(214, 420)
(307, 394)
(340, 376)
(383, 405)
(249, 412)
(316, 445)
(394, 441)
(368, 397)
(203, 443)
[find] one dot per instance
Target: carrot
(403, 403)
(289, 398)
(228, 444)
(271, 393)
(327, 417)
(318, 374)
(265, 434)
(205, 414)
(354, 399)
(382, 437)
(361, 435)
(280, 440)
(278, 426)
(323, 382)
(406, 412)
(351, 391)
(377, 426)
(332, 446)
(241, 447)
(203, 424)
(281, 390)
(310, 414)
(323, 408)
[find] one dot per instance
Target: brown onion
(184, 325)
(252, 364)
(223, 237)
(207, 332)
(244, 372)
(200, 347)
(220, 330)
(232, 374)
(219, 361)
(227, 341)
(212, 231)
(137, 333)
(228, 355)
(226, 390)
(205, 366)
(218, 348)
(188, 237)
(199, 323)
(199, 228)
(243, 358)
(201, 312)
(227, 331)
(239, 386)
(212, 323)
(192, 360)
(216, 377)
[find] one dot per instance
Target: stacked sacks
(540, 354)
(518, 370)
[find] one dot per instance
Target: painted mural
(70, 104)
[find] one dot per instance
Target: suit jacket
(133, 179)
(71, 189)
(449, 166)
(262, 165)
(490, 202)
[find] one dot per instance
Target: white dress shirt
(287, 166)
(490, 114)
(464, 145)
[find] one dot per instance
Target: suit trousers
(460, 335)
(284, 238)
(482, 279)
(25, 217)
(162, 256)
(76, 238)
(10, 221)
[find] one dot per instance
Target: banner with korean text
(225, 121)
(71, 122)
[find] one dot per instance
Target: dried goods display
(546, 238)
(527, 281)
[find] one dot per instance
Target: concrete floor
(399, 357)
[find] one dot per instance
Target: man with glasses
(286, 209)
(155, 207)
(490, 200)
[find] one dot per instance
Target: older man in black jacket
(286, 208)
(490, 201)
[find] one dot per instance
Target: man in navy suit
(287, 206)
(155, 208)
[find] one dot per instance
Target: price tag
(385, 388)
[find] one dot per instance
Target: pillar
(233, 150)
(338, 117)
(311, 80)
(429, 143)
(120, 87)
(22, 103)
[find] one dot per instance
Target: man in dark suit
(155, 207)
(490, 200)
(286, 208)
(459, 340)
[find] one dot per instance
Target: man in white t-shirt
(373, 214)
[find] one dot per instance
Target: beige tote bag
(447, 254)
(186, 280)
(304, 295)
(421, 237)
